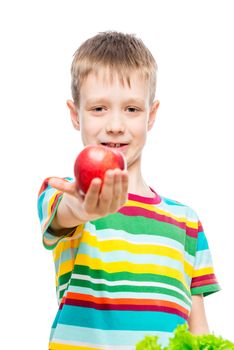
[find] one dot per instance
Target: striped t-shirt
(126, 275)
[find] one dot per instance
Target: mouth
(114, 145)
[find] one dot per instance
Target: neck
(137, 184)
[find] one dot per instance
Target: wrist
(65, 218)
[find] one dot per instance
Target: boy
(128, 261)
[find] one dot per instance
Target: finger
(62, 185)
(92, 195)
(117, 192)
(106, 195)
(124, 193)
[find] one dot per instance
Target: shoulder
(179, 209)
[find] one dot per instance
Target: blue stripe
(101, 337)
(202, 243)
(39, 205)
(56, 319)
(171, 202)
(119, 320)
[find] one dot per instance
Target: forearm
(197, 320)
(199, 329)
(64, 218)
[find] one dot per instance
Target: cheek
(88, 125)
(91, 128)
(140, 129)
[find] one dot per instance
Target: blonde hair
(121, 53)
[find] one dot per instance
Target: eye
(97, 109)
(133, 109)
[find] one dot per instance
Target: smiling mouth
(113, 144)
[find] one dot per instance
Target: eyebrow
(91, 101)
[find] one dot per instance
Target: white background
(189, 154)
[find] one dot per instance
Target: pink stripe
(200, 228)
(192, 232)
(203, 283)
(156, 199)
(125, 307)
(204, 277)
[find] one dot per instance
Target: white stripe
(62, 287)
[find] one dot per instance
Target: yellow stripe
(188, 268)
(67, 243)
(117, 244)
(51, 201)
(65, 267)
(149, 207)
(54, 346)
(113, 267)
(204, 271)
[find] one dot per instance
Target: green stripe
(64, 278)
(61, 293)
(139, 225)
(205, 290)
(124, 288)
(190, 245)
(138, 277)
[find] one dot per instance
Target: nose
(115, 124)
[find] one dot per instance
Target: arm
(197, 320)
(74, 209)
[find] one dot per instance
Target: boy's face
(115, 115)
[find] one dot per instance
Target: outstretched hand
(100, 199)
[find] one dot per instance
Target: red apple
(93, 161)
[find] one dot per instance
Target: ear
(152, 114)
(74, 114)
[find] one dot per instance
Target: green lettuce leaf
(184, 340)
(149, 343)
(211, 342)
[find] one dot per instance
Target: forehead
(113, 83)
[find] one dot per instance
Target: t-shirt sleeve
(47, 205)
(203, 279)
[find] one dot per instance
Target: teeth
(113, 144)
